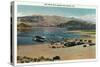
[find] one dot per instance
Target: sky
(83, 13)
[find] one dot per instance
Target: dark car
(69, 44)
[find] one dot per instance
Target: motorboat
(39, 38)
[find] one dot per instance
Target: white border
(55, 4)
(15, 33)
(43, 4)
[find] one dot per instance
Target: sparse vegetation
(56, 58)
(26, 59)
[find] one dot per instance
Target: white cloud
(29, 14)
(89, 17)
(20, 14)
(23, 14)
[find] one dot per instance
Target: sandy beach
(67, 53)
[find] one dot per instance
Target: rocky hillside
(43, 20)
(59, 21)
(78, 25)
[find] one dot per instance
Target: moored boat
(39, 38)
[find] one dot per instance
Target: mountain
(78, 25)
(57, 21)
(43, 20)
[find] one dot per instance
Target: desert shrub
(35, 59)
(19, 58)
(56, 58)
(85, 40)
(31, 59)
(53, 47)
(89, 41)
(25, 57)
(42, 58)
(48, 59)
(22, 61)
(27, 61)
(84, 45)
(81, 40)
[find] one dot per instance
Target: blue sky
(24, 10)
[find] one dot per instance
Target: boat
(39, 38)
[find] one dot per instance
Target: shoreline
(89, 33)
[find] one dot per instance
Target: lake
(51, 33)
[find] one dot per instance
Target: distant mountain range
(58, 21)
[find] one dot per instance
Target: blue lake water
(51, 33)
